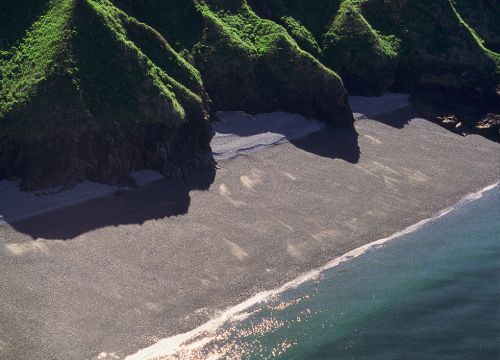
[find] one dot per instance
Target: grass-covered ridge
(44, 51)
(102, 54)
(103, 87)
(247, 62)
(405, 45)
(87, 72)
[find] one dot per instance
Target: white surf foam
(205, 333)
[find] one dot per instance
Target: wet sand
(115, 274)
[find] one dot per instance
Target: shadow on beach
(332, 143)
(240, 133)
(164, 198)
(397, 119)
(160, 199)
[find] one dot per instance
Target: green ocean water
(430, 294)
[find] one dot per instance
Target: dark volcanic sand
(114, 275)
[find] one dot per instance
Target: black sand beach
(111, 276)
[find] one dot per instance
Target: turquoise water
(430, 294)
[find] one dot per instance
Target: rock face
(489, 126)
(95, 89)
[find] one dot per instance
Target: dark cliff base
(459, 114)
(101, 156)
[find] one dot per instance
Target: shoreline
(165, 258)
(187, 341)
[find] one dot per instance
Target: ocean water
(430, 294)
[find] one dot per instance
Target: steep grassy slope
(341, 38)
(94, 89)
(253, 64)
(420, 45)
(482, 16)
(246, 62)
(440, 51)
(82, 98)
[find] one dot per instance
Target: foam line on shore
(200, 336)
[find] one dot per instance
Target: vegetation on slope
(439, 51)
(341, 38)
(406, 45)
(482, 16)
(94, 89)
(247, 62)
(80, 93)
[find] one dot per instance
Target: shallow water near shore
(430, 294)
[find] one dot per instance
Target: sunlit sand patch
(415, 175)
(205, 282)
(209, 279)
(329, 234)
(28, 247)
(293, 251)
(252, 180)
(290, 176)
(224, 191)
(373, 139)
(236, 250)
(391, 182)
(386, 168)
(106, 356)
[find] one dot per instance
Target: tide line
(205, 333)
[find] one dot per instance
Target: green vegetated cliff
(246, 62)
(88, 92)
(95, 89)
(407, 45)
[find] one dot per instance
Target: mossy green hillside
(113, 62)
(262, 67)
(482, 16)
(364, 57)
(421, 45)
(439, 50)
(250, 63)
(85, 69)
(337, 33)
